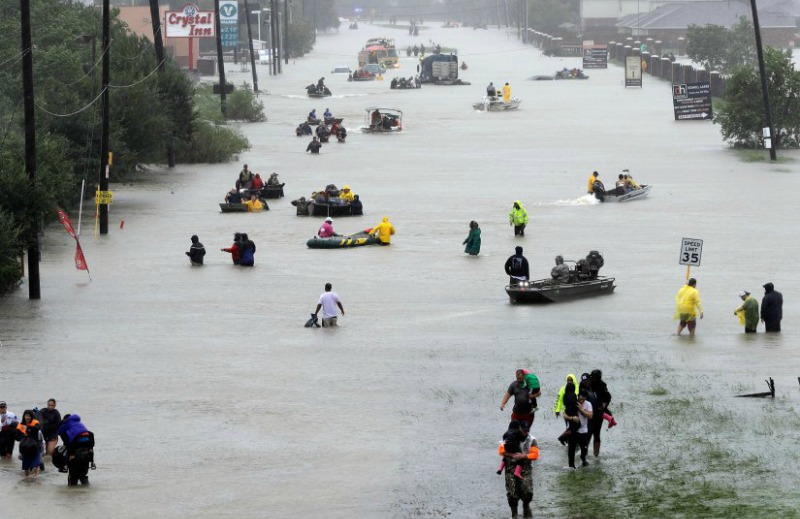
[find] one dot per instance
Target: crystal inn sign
(190, 22)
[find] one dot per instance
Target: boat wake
(586, 199)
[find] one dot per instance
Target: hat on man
(329, 219)
(744, 293)
(2, 404)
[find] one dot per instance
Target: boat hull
(610, 196)
(358, 239)
(548, 291)
(238, 208)
(497, 106)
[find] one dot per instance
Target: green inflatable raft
(342, 242)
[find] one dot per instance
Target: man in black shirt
(517, 268)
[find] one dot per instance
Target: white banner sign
(190, 22)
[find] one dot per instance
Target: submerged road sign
(692, 101)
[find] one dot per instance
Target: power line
(73, 113)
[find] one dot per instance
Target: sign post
(633, 71)
(691, 252)
(692, 101)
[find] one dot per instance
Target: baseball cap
(744, 293)
(329, 219)
(3, 404)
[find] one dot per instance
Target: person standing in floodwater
(518, 217)
(524, 398)
(473, 241)
(747, 312)
(772, 308)
(688, 307)
(521, 489)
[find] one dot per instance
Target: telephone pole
(103, 185)
(34, 290)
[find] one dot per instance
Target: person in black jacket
(517, 268)
(248, 250)
(314, 146)
(196, 252)
(772, 308)
(603, 396)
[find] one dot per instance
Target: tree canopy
(721, 49)
(742, 117)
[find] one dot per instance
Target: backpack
(28, 446)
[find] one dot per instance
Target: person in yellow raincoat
(346, 194)
(518, 217)
(506, 93)
(687, 307)
(384, 231)
(592, 180)
(254, 204)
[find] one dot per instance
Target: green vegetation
(742, 118)
(721, 49)
(149, 111)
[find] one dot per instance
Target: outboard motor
(594, 261)
(599, 190)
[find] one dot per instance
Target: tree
(720, 49)
(742, 117)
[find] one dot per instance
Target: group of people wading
(38, 432)
(583, 406)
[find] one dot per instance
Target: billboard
(190, 22)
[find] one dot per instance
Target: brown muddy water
(208, 398)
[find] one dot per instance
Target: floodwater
(208, 398)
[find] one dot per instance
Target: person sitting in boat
(560, 272)
(620, 185)
(314, 146)
(375, 119)
(328, 114)
(491, 91)
(273, 180)
(312, 115)
(387, 122)
(321, 85)
(356, 208)
(326, 229)
(233, 197)
(394, 83)
(464, 65)
(630, 184)
(411, 82)
(245, 178)
(254, 204)
(346, 195)
(258, 182)
(332, 191)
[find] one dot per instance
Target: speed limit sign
(691, 251)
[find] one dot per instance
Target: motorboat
(239, 208)
(383, 120)
(619, 194)
(581, 281)
(313, 91)
(496, 104)
(358, 239)
(550, 291)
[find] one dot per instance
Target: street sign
(691, 251)
(595, 57)
(229, 22)
(633, 71)
(692, 101)
(104, 197)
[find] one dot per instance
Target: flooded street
(209, 398)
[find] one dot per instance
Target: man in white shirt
(580, 438)
(8, 425)
(328, 302)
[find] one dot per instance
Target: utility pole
(286, 11)
(220, 63)
(762, 70)
(273, 24)
(250, 43)
(158, 43)
(104, 167)
(34, 288)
